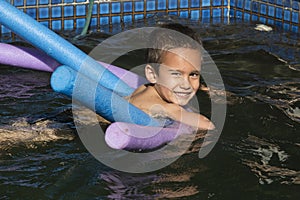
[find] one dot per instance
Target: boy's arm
(178, 113)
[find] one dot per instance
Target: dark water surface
(256, 157)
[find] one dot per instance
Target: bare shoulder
(144, 98)
(136, 94)
(139, 89)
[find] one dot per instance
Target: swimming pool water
(257, 156)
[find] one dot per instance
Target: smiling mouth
(182, 94)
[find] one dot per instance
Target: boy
(173, 72)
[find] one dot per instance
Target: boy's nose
(185, 84)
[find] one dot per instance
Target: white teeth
(182, 94)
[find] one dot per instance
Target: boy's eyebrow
(174, 70)
(177, 70)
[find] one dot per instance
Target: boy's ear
(150, 74)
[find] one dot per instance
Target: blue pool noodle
(58, 48)
(103, 101)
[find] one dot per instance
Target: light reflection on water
(42, 157)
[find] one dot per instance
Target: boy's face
(178, 78)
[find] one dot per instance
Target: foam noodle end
(117, 138)
(61, 79)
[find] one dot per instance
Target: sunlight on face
(179, 75)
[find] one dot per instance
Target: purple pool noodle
(103, 101)
(26, 57)
(126, 136)
(32, 58)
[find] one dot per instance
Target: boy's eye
(176, 74)
(194, 75)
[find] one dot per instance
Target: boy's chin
(181, 102)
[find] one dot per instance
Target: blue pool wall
(70, 14)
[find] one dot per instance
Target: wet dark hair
(170, 36)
